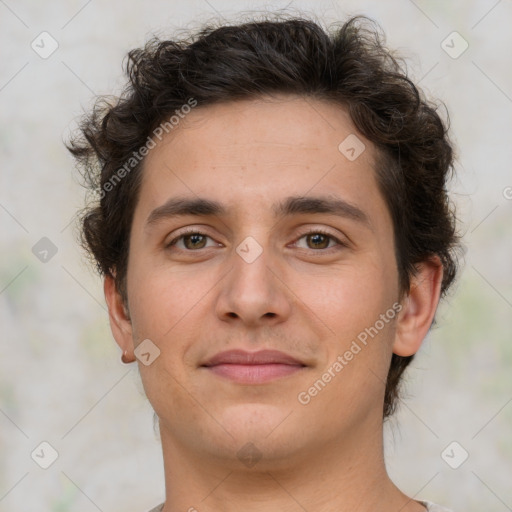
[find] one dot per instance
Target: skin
(306, 296)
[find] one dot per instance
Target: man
(274, 233)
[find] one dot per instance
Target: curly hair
(348, 65)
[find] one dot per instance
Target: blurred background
(61, 379)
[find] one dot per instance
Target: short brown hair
(349, 65)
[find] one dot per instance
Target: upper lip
(244, 357)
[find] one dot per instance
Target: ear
(419, 307)
(120, 322)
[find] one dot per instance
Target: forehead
(261, 150)
(280, 126)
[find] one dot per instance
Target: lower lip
(254, 373)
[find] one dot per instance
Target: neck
(341, 475)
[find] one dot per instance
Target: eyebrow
(295, 205)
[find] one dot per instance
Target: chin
(253, 419)
(267, 427)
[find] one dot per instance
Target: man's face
(260, 276)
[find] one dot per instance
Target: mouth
(253, 367)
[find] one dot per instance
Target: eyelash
(317, 231)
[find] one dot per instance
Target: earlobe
(120, 323)
(419, 308)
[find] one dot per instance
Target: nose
(254, 293)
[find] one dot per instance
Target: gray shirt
(157, 509)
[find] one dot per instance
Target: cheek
(168, 306)
(161, 298)
(162, 306)
(352, 380)
(351, 298)
(350, 302)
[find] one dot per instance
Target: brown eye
(190, 241)
(318, 240)
(194, 241)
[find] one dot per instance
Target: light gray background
(61, 379)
